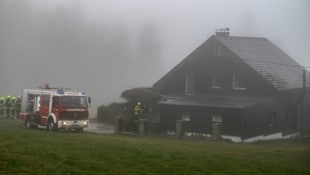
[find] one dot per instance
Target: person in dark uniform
(7, 106)
(2, 106)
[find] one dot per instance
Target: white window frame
(236, 84)
(190, 83)
(214, 76)
(217, 118)
(218, 50)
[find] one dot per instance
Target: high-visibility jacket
(13, 101)
(8, 101)
(2, 102)
(138, 109)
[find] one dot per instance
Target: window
(218, 50)
(216, 81)
(190, 83)
(74, 101)
(55, 101)
(186, 117)
(46, 100)
(238, 82)
(217, 118)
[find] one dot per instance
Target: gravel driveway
(100, 128)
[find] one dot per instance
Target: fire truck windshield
(74, 101)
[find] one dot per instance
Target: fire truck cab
(55, 108)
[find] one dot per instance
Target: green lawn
(36, 151)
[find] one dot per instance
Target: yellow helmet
(139, 103)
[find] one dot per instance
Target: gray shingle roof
(267, 59)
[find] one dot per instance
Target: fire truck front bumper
(75, 124)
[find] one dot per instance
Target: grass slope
(27, 151)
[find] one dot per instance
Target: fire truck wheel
(51, 125)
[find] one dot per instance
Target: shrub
(108, 113)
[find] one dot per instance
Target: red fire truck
(55, 108)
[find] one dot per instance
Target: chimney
(222, 32)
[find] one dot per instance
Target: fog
(105, 47)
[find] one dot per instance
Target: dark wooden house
(247, 84)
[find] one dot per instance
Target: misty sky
(185, 24)
(174, 27)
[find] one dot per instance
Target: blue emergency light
(61, 92)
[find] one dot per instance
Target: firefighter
(2, 103)
(138, 109)
(7, 106)
(18, 105)
(13, 107)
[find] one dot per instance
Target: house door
(290, 119)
